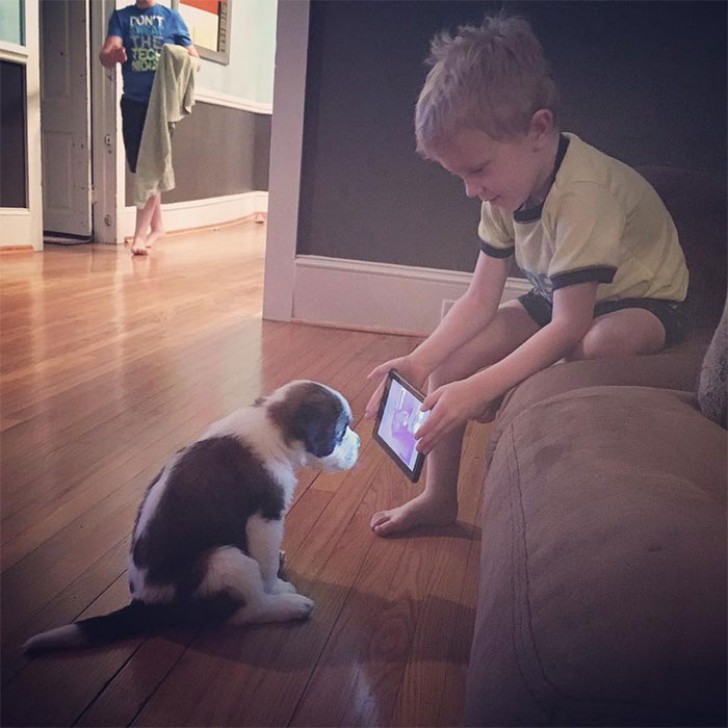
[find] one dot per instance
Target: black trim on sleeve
(530, 214)
(598, 274)
(493, 252)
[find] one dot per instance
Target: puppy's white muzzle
(345, 454)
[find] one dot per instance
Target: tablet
(399, 417)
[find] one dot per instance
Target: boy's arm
(573, 314)
(113, 51)
(182, 37)
(469, 315)
(452, 404)
(194, 54)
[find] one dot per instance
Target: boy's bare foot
(138, 246)
(424, 510)
(153, 236)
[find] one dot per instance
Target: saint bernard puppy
(207, 538)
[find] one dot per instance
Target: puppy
(207, 538)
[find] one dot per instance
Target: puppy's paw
(273, 608)
(281, 586)
(299, 607)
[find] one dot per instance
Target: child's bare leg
(627, 332)
(143, 221)
(438, 504)
(157, 231)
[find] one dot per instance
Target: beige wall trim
(379, 296)
(202, 213)
(234, 102)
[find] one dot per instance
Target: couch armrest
(676, 368)
(603, 566)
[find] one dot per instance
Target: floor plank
(109, 365)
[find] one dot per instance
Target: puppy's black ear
(315, 431)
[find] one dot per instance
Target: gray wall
(216, 151)
(643, 81)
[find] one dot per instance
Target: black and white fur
(207, 538)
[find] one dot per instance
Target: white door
(65, 118)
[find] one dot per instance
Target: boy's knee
(627, 335)
(598, 347)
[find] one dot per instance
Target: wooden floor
(109, 365)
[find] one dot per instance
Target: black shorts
(670, 313)
(133, 114)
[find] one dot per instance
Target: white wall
(249, 75)
(11, 21)
(246, 83)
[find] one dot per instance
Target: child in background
(135, 38)
(589, 233)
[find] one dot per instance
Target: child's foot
(139, 246)
(154, 236)
(423, 510)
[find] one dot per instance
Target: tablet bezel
(414, 473)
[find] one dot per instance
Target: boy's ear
(542, 126)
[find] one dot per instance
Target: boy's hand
(118, 55)
(405, 367)
(451, 405)
(111, 55)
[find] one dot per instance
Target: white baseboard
(20, 229)
(378, 296)
(203, 213)
(216, 98)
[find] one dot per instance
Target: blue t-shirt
(143, 33)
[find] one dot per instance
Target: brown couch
(603, 566)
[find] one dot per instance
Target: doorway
(65, 120)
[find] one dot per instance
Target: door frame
(22, 227)
(107, 164)
(289, 100)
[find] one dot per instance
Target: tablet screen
(399, 418)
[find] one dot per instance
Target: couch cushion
(675, 368)
(603, 567)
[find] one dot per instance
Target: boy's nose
(472, 189)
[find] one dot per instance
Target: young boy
(590, 234)
(135, 39)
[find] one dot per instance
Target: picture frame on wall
(209, 24)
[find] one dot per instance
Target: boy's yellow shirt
(601, 221)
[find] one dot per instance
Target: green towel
(173, 96)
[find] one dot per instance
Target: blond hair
(491, 78)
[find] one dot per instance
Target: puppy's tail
(134, 619)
